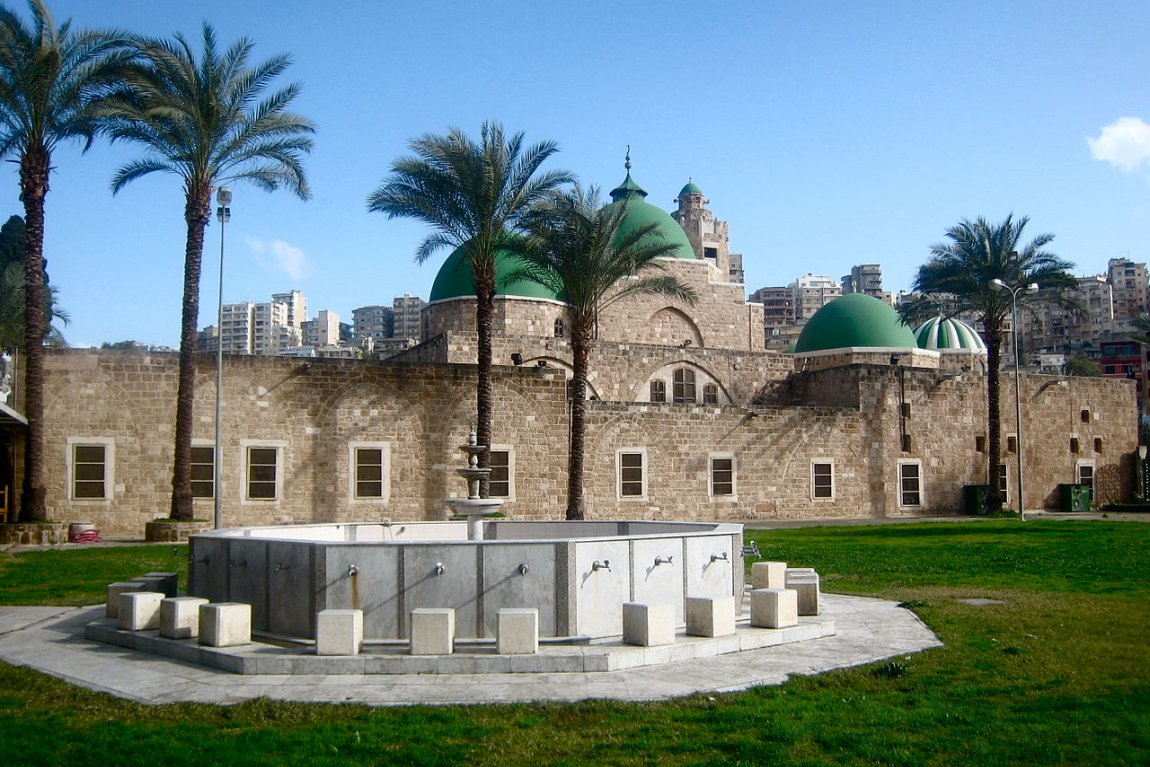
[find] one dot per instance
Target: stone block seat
(112, 603)
(648, 625)
(517, 631)
(774, 608)
(139, 610)
(710, 616)
(180, 617)
(805, 581)
(165, 583)
(225, 624)
(768, 575)
(432, 631)
(338, 632)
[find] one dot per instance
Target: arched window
(559, 327)
(658, 391)
(710, 394)
(683, 386)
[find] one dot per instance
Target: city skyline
(832, 136)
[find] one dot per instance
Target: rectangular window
(262, 465)
(499, 485)
(822, 480)
(89, 471)
(203, 471)
(910, 484)
(369, 472)
(1011, 443)
(631, 467)
(723, 475)
(1003, 482)
(1086, 475)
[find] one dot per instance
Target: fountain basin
(576, 574)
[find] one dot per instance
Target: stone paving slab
(52, 640)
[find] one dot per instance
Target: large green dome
(642, 213)
(855, 320)
(454, 279)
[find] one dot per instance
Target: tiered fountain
(473, 507)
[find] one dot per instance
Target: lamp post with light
(223, 215)
(998, 284)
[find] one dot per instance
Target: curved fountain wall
(288, 574)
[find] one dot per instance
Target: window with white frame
(370, 471)
(501, 483)
(1085, 472)
(723, 475)
(90, 462)
(910, 484)
(263, 475)
(203, 471)
(822, 480)
(683, 385)
(1004, 482)
(631, 470)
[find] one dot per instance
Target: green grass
(79, 576)
(1057, 675)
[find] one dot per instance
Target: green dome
(454, 279)
(690, 188)
(642, 213)
(948, 335)
(855, 320)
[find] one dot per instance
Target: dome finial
(627, 164)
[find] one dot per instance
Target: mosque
(690, 416)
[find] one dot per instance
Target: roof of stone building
(454, 279)
(855, 320)
(642, 213)
(948, 335)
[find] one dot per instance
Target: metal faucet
(720, 557)
(439, 568)
(596, 566)
(352, 571)
(664, 560)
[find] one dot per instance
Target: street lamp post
(1143, 472)
(223, 215)
(998, 284)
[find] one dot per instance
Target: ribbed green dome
(642, 213)
(855, 320)
(690, 188)
(454, 279)
(948, 335)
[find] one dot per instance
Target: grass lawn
(1059, 674)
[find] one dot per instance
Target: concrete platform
(52, 640)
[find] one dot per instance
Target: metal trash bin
(1075, 497)
(974, 499)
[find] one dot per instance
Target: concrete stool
(432, 631)
(112, 605)
(165, 583)
(139, 610)
(774, 608)
(805, 581)
(338, 632)
(648, 625)
(225, 624)
(768, 575)
(517, 631)
(180, 617)
(710, 616)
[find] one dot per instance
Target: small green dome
(642, 213)
(949, 335)
(855, 320)
(454, 279)
(690, 188)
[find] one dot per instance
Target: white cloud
(1125, 144)
(280, 256)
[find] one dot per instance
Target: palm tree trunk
(34, 168)
(580, 341)
(196, 211)
(993, 418)
(484, 309)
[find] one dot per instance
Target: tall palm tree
(51, 77)
(473, 195)
(581, 251)
(958, 277)
(208, 120)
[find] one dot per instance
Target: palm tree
(12, 289)
(958, 277)
(51, 78)
(473, 195)
(582, 252)
(208, 121)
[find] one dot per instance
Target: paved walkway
(51, 640)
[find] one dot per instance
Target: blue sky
(827, 134)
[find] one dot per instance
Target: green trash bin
(974, 499)
(1075, 497)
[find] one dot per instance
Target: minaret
(708, 235)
